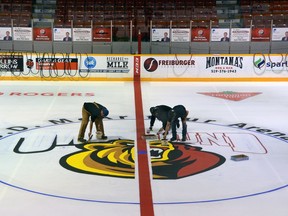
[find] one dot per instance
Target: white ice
(35, 184)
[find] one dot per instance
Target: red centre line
(146, 200)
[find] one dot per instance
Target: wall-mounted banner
(160, 34)
(220, 34)
(6, 34)
(200, 35)
(261, 34)
(42, 34)
(82, 34)
(102, 34)
(280, 34)
(62, 34)
(240, 34)
(22, 33)
(180, 35)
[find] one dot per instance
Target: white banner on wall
(160, 34)
(6, 33)
(240, 34)
(180, 35)
(62, 34)
(280, 34)
(22, 33)
(220, 34)
(82, 34)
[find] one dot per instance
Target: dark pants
(182, 113)
(184, 128)
(84, 123)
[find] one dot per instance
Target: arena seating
(139, 13)
(18, 12)
(264, 13)
(124, 13)
(180, 12)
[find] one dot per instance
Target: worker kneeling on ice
(96, 112)
(176, 112)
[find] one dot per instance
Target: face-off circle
(211, 140)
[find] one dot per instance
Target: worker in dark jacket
(96, 112)
(159, 112)
(176, 112)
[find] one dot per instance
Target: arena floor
(44, 171)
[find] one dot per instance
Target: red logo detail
(230, 95)
(29, 63)
(150, 64)
(183, 161)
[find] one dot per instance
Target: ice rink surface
(44, 171)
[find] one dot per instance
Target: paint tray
(149, 136)
(239, 157)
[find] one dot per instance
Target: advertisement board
(240, 34)
(215, 66)
(82, 34)
(102, 34)
(280, 34)
(220, 34)
(261, 34)
(6, 34)
(62, 34)
(180, 35)
(22, 34)
(200, 35)
(145, 67)
(42, 34)
(160, 34)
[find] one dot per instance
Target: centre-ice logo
(51, 152)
